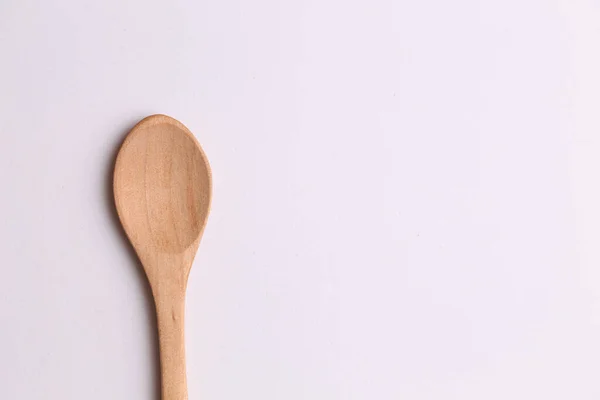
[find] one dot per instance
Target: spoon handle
(170, 312)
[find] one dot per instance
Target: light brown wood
(162, 187)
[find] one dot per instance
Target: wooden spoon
(162, 187)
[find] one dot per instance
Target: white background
(406, 197)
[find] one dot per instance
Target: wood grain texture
(162, 187)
